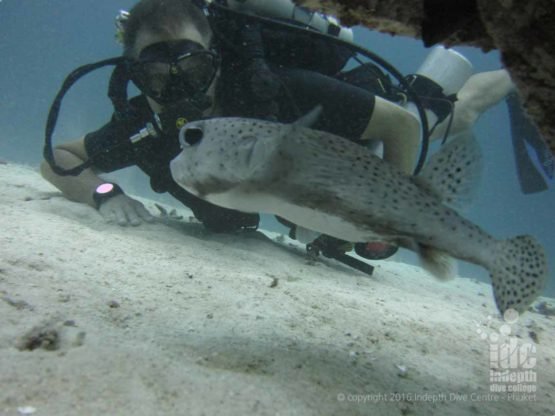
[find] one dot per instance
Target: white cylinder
(447, 68)
(286, 9)
(282, 9)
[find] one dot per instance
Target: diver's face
(176, 60)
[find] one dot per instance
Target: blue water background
(42, 41)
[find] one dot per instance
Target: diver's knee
(390, 120)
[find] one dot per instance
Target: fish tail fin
(440, 264)
(519, 273)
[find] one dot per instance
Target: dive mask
(169, 71)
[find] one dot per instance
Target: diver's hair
(162, 17)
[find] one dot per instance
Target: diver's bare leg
(398, 130)
(477, 95)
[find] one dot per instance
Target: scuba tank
(437, 81)
(289, 11)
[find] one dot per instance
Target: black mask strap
(73, 77)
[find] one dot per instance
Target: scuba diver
(194, 59)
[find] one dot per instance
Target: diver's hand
(124, 210)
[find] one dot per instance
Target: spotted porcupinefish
(328, 184)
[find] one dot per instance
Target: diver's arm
(398, 130)
(120, 209)
(76, 188)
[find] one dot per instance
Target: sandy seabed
(168, 319)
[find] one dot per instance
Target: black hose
(48, 151)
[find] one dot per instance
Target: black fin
(524, 131)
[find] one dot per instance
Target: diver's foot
(375, 250)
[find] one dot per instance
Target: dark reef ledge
(523, 31)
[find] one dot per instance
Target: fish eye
(193, 136)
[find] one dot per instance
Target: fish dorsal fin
(310, 118)
(453, 173)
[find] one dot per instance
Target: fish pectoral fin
(453, 173)
(259, 154)
(440, 264)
